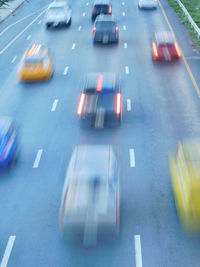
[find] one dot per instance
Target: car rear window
(55, 10)
(105, 24)
(33, 60)
(101, 8)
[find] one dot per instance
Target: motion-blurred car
(105, 30)
(101, 7)
(90, 204)
(58, 14)
(100, 101)
(185, 180)
(36, 64)
(165, 47)
(8, 142)
(147, 4)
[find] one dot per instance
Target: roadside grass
(193, 7)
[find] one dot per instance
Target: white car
(89, 208)
(58, 14)
(147, 4)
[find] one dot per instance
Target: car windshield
(56, 10)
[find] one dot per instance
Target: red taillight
(93, 10)
(81, 103)
(118, 106)
(116, 29)
(155, 49)
(99, 83)
(177, 49)
(94, 31)
(109, 10)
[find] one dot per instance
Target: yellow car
(36, 64)
(185, 179)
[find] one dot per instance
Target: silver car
(89, 208)
(58, 14)
(147, 4)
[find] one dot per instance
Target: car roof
(5, 123)
(100, 81)
(103, 17)
(92, 161)
(101, 2)
(164, 38)
(58, 4)
(36, 51)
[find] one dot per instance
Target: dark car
(90, 204)
(100, 101)
(105, 30)
(101, 7)
(8, 141)
(165, 47)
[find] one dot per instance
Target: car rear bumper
(109, 120)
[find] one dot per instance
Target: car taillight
(177, 49)
(155, 50)
(109, 10)
(94, 31)
(116, 29)
(118, 106)
(81, 103)
(93, 10)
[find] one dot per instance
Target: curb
(10, 9)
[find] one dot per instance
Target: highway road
(160, 107)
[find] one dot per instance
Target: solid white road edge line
(73, 46)
(128, 104)
(138, 251)
(54, 105)
(8, 250)
(13, 24)
(13, 60)
(66, 70)
(19, 34)
(132, 157)
(37, 159)
(127, 70)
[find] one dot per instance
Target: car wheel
(69, 22)
(48, 25)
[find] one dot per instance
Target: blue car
(8, 142)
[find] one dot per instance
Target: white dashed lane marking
(37, 159)
(73, 46)
(128, 104)
(127, 70)
(13, 60)
(66, 70)
(83, 14)
(87, 4)
(79, 28)
(54, 105)
(125, 45)
(123, 14)
(39, 22)
(8, 251)
(138, 251)
(123, 3)
(28, 38)
(124, 27)
(132, 157)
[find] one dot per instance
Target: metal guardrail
(193, 24)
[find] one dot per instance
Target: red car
(165, 47)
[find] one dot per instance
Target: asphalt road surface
(160, 107)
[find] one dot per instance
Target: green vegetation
(193, 7)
